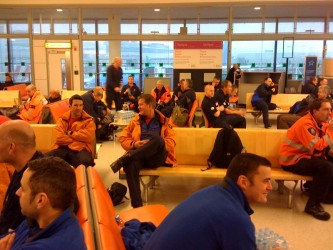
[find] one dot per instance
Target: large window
(253, 55)
(306, 25)
(154, 27)
(246, 26)
(302, 48)
(95, 62)
(286, 25)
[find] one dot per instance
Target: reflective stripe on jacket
(305, 139)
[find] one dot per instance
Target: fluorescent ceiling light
(257, 8)
(157, 10)
(59, 10)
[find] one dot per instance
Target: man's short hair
(225, 83)
(325, 88)
(74, 97)
(98, 91)
(217, 78)
(246, 164)
(189, 82)
(316, 104)
(55, 177)
(148, 99)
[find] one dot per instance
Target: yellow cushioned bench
(193, 147)
(283, 101)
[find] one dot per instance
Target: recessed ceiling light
(257, 8)
(59, 10)
(157, 10)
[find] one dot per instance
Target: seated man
(261, 99)
(54, 96)
(161, 94)
(32, 109)
(212, 109)
(93, 105)
(308, 150)
(75, 131)
(149, 142)
(130, 93)
(233, 117)
(47, 194)
(311, 86)
(18, 147)
(301, 108)
(218, 216)
(185, 100)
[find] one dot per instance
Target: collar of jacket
(163, 120)
(84, 115)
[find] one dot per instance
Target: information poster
(198, 54)
(310, 69)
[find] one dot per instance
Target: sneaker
(317, 211)
(121, 162)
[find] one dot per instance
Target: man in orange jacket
(308, 150)
(75, 131)
(32, 109)
(149, 141)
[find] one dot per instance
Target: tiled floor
(299, 229)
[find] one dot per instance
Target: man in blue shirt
(47, 193)
(218, 216)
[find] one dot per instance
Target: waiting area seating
(283, 101)
(20, 87)
(97, 215)
(193, 147)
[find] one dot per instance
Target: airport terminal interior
(68, 46)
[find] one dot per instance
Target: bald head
(31, 89)
(117, 61)
(19, 132)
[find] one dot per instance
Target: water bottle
(119, 221)
(115, 118)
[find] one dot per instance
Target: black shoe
(121, 162)
(268, 126)
(317, 211)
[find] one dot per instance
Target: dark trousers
(322, 172)
(236, 121)
(75, 158)
(150, 155)
(220, 122)
(264, 107)
(116, 97)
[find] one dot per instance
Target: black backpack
(117, 192)
(227, 145)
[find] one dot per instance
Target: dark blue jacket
(215, 217)
(63, 233)
(263, 93)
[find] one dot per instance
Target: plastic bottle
(119, 221)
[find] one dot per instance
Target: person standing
(149, 141)
(261, 99)
(114, 79)
(234, 74)
(218, 216)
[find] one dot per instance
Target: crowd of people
(41, 197)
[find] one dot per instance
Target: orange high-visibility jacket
(32, 109)
(305, 139)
